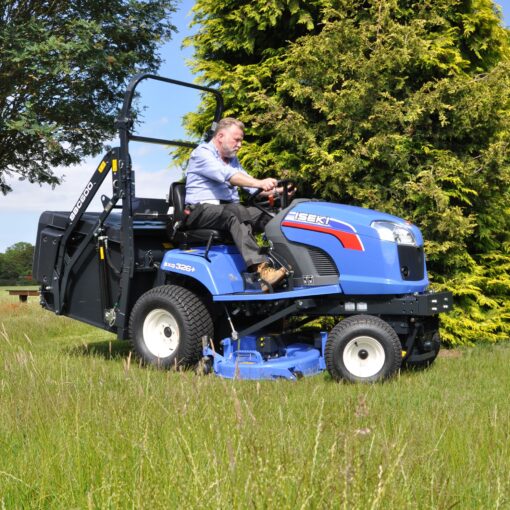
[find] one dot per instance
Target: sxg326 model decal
(181, 267)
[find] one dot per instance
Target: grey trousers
(239, 220)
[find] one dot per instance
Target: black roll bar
(124, 120)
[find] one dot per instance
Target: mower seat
(178, 231)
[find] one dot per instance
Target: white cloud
(28, 197)
(34, 197)
(155, 184)
(20, 209)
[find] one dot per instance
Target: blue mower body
(335, 255)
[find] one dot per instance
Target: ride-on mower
(184, 296)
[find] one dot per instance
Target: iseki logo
(307, 218)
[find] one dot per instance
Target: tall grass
(83, 426)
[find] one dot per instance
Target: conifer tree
(397, 105)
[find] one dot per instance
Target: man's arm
(246, 181)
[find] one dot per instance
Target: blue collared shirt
(208, 176)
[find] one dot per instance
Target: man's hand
(268, 184)
(291, 191)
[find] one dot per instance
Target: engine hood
(344, 218)
(327, 243)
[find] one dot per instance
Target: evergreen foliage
(63, 72)
(397, 105)
(16, 263)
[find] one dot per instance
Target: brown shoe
(270, 275)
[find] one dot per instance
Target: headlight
(394, 232)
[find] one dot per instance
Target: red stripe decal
(348, 240)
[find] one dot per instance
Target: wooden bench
(22, 293)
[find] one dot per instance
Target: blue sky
(20, 210)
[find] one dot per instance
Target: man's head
(228, 137)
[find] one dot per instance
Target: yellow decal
(102, 166)
(101, 253)
(114, 165)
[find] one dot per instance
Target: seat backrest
(177, 196)
(177, 231)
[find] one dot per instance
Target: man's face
(229, 141)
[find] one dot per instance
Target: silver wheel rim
(364, 356)
(161, 333)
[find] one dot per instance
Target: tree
(398, 105)
(16, 262)
(64, 67)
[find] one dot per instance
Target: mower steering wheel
(271, 201)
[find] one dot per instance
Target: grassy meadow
(83, 426)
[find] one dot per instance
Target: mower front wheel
(167, 325)
(363, 348)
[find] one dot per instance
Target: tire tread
(360, 321)
(197, 319)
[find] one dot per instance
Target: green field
(83, 426)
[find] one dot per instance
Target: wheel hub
(364, 356)
(161, 333)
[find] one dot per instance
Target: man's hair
(226, 123)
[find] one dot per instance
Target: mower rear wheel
(167, 325)
(363, 348)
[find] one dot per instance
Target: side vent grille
(323, 263)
